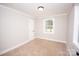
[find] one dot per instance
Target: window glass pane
(49, 25)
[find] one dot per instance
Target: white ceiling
(49, 8)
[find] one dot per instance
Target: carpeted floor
(39, 47)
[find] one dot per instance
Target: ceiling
(49, 8)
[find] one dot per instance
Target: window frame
(44, 25)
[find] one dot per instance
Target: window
(49, 25)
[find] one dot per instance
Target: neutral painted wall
(72, 31)
(14, 28)
(60, 28)
(78, 32)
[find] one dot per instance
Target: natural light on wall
(76, 21)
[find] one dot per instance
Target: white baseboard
(69, 52)
(9, 49)
(52, 39)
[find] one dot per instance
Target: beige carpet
(39, 47)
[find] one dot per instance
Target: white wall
(76, 21)
(71, 25)
(72, 31)
(60, 28)
(14, 28)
